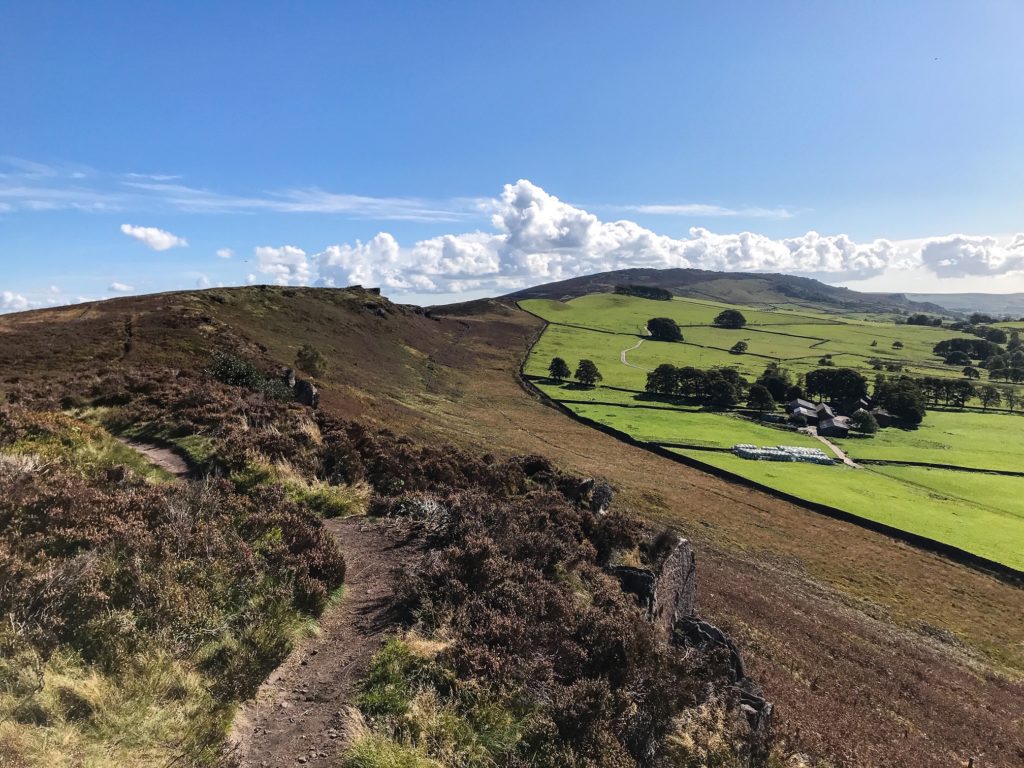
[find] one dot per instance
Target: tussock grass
(64, 712)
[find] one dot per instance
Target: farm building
(837, 426)
(883, 417)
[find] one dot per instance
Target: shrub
(311, 360)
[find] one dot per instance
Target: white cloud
(157, 239)
(539, 238)
(288, 265)
(202, 282)
(965, 256)
(14, 302)
(225, 253)
(120, 287)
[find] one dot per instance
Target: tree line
(586, 374)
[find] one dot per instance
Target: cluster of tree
(779, 383)
(948, 392)
(739, 348)
(996, 335)
(664, 329)
(1008, 366)
(975, 349)
(644, 292)
(902, 397)
(922, 319)
(730, 318)
(717, 387)
(835, 384)
(586, 371)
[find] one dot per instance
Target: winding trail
(302, 714)
(622, 356)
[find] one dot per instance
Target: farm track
(622, 356)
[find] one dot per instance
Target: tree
(721, 394)
(587, 373)
(795, 392)
(739, 348)
(559, 369)
(957, 358)
(836, 384)
(663, 380)
(863, 422)
(664, 329)
(311, 360)
(903, 398)
(897, 345)
(730, 318)
(989, 396)
(760, 399)
(1011, 399)
(971, 372)
(777, 381)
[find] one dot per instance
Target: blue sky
(293, 134)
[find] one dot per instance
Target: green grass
(976, 512)
(978, 440)
(983, 514)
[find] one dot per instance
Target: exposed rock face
(675, 595)
(669, 597)
(691, 632)
(289, 377)
(306, 393)
(601, 498)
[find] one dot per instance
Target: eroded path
(159, 456)
(300, 714)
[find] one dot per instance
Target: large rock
(667, 594)
(675, 594)
(306, 393)
(288, 377)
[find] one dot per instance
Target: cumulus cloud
(965, 256)
(287, 265)
(202, 282)
(537, 237)
(120, 287)
(14, 302)
(157, 239)
(225, 253)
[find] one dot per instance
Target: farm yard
(953, 501)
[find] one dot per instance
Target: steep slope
(734, 288)
(876, 653)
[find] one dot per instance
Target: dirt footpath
(299, 714)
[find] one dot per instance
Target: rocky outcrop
(668, 594)
(692, 632)
(306, 393)
(675, 594)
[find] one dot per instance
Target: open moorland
(924, 480)
(875, 653)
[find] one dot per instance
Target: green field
(979, 512)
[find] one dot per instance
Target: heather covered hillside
(518, 628)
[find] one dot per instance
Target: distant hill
(734, 288)
(989, 303)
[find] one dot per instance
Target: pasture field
(979, 512)
(977, 440)
(983, 514)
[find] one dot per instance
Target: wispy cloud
(30, 186)
(120, 287)
(701, 210)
